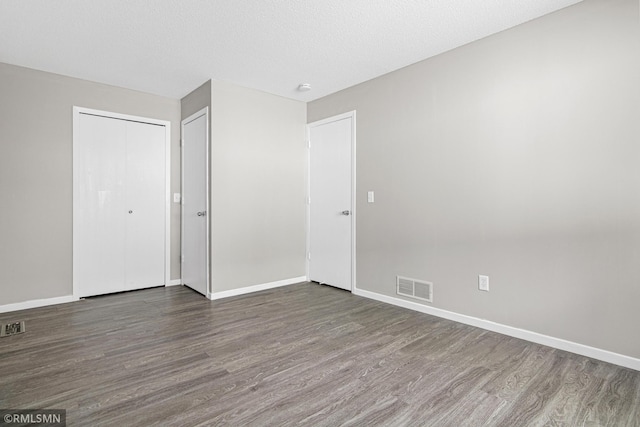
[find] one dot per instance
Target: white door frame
(205, 112)
(76, 173)
(349, 115)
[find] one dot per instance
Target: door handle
(203, 213)
(347, 213)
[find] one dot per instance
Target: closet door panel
(145, 201)
(99, 222)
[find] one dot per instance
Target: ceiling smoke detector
(304, 87)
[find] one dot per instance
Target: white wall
(517, 157)
(36, 175)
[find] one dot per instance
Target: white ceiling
(169, 47)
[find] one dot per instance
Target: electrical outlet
(483, 283)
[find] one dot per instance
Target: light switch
(176, 197)
(370, 197)
(483, 283)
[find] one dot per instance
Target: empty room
(336, 213)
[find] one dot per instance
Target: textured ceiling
(169, 47)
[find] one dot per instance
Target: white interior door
(119, 204)
(195, 201)
(331, 206)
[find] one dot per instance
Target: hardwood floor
(302, 354)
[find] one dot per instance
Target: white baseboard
(53, 301)
(36, 303)
(256, 288)
(581, 349)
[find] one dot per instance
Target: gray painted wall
(36, 175)
(258, 187)
(517, 157)
(196, 100)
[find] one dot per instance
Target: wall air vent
(413, 288)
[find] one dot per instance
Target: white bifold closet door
(119, 205)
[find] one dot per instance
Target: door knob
(203, 213)
(347, 213)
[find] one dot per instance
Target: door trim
(167, 213)
(348, 115)
(203, 112)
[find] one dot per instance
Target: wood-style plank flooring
(298, 355)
